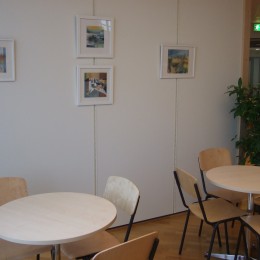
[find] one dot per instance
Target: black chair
(125, 195)
(252, 222)
(211, 158)
(213, 212)
(141, 248)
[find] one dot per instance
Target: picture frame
(94, 85)
(7, 60)
(177, 61)
(94, 37)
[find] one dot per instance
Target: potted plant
(247, 107)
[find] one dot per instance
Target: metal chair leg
(184, 232)
(219, 238)
(226, 235)
(215, 228)
(241, 233)
(201, 225)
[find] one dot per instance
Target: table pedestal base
(228, 257)
(56, 253)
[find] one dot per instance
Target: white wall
(58, 146)
(203, 119)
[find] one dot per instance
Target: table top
(242, 178)
(54, 218)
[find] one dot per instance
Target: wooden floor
(170, 231)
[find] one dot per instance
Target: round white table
(242, 178)
(54, 218)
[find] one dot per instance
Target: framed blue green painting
(177, 61)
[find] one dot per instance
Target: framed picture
(7, 67)
(177, 61)
(94, 85)
(94, 37)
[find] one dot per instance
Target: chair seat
(90, 245)
(13, 251)
(217, 210)
(229, 195)
(253, 221)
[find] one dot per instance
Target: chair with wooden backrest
(125, 195)
(12, 188)
(252, 222)
(212, 158)
(256, 198)
(141, 248)
(214, 211)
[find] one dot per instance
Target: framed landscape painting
(7, 66)
(177, 61)
(94, 37)
(94, 85)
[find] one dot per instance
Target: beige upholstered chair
(125, 196)
(12, 188)
(213, 212)
(215, 157)
(141, 248)
(251, 222)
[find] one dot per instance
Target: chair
(125, 196)
(214, 212)
(12, 188)
(256, 203)
(252, 222)
(215, 157)
(211, 158)
(141, 248)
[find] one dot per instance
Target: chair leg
(238, 242)
(226, 235)
(258, 245)
(53, 253)
(245, 242)
(201, 225)
(184, 231)
(241, 233)
(215, 228)
(219, 238)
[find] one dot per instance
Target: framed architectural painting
(7, 66)
(177, 61)
(94, 36)
(94, 85)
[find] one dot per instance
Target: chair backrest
(141, 248)
(12, 188)
(125, 195)
(189, 184)
(214, 157)
(211, 158)
(185, 183)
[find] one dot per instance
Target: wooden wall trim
(246, 40)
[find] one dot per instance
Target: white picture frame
(94, 85)
(94, 37)
(7, 60)
(177, 61)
